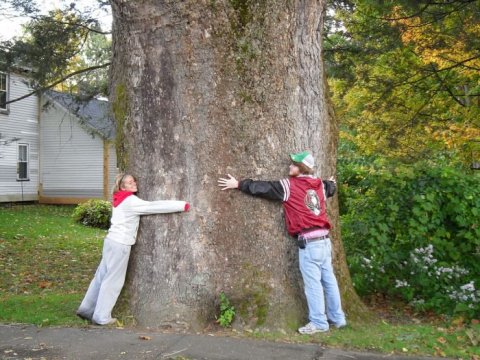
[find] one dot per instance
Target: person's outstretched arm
(273, 190)
(142, 207)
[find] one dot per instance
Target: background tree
(405, 76)
(57, 48)
(199, 89)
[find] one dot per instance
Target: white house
(19, 140)
(53, 148)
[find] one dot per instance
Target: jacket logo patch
(313, 202)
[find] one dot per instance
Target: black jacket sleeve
(272, 190)
(330, 188)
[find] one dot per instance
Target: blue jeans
(320, 284)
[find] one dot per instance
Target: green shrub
(95, 213)
(227, 311)
(414, 232)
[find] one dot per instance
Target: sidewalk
(95, 343)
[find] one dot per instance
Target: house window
(3, 91)
(22, 163)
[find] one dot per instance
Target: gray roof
(93, 113)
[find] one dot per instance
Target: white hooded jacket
(126, 216)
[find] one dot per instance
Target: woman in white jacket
(105, 287)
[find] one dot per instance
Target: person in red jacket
(304, 202)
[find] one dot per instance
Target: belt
(302, 242)
(302, 238)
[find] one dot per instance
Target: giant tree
(199, 89)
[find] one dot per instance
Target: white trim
(7, 91)
(27, 178)
(286, 188)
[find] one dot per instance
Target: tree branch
(76, 24)
(60, 81)
(445, 86)
(418, 13)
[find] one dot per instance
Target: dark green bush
(95, 213)
(414, 231)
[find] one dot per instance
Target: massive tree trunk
(201, 88)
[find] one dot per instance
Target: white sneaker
(339, 325)
(310, 329)
(112, 321)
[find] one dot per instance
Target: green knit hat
(305, 158)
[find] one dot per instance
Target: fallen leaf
(439, 352)
(404, 349)
(472, 337)
(143, 337)
(45, 284)
(475, 322)
(442, 340)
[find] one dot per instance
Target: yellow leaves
(455, 136)
(444, 43)
(402, 102)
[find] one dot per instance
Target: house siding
(72, 157)
(20, 121)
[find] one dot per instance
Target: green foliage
(65, 46)
(414, 232)
(49, 45)
(95, 52)
(94, 213)
(227, 311)
(403, 75)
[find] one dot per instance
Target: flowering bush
(414, 233)
(426, 285)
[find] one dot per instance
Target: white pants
(103, 292)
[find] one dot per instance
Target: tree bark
(201, 88)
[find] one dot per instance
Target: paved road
(22, 342)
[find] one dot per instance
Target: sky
(11, 24)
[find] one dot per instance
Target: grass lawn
(47, 262)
